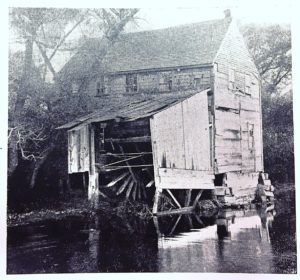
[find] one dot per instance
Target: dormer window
(131, 83)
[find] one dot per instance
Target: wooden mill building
(177, 110)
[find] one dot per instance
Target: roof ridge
(177, 26)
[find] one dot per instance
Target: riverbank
(78, 206)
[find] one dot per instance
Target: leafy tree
(270, 47)
(36, 106)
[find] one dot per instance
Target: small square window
(131, 83)
(170, 84)
(197, 82)
(251, 136)
(100, 87)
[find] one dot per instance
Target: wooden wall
(78, 150)
(237, 107)
(156, 81)
(181, 144)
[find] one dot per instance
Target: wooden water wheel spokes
(169, 204)
(130, 173)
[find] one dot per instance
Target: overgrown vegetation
(270, 47)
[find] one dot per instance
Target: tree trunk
(19, 105)
(38, 164)
(25, 80)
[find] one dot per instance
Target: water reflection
(230, 241)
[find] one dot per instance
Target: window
(170, 84)
(247, 84)
(131, 83)
(75, 87)
(231, 78)
(197, 82)
(251, 136)
(100, 87)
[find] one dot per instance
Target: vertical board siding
(180, 135)
(78, 141)
(196, 132)
(169, 138)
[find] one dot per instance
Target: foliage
(37, 107)
(270, 47)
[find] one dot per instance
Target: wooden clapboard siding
(79, 158)
(228, 153)
(235, 107)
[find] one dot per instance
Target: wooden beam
(188, 198)
(156, 200)
(122, 188)
(128, 154)
(129, 167)
(129, 189)
(175, 225)
(199, 220)
(119, 161)
(183, 210)
(130, 139)
(116, 180)
(173, 197)
(197, 198)
(150, 184)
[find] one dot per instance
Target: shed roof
(185, 45)
(130, 109)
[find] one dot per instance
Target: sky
(166, 15)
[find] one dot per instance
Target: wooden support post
(197, 198)
(173, 197)
(188, 198)
(175, 225)
(156, 200)
(84, 182)
(199, 220)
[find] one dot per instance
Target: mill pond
(256, 240)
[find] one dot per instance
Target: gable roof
(185, 45)
(130, 108)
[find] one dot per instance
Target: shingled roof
(130, 108)
(185, 45)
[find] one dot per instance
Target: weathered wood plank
(196, 132)
(226, 100)
(176, 211)
(169, 138)
(184, 183)
(145, 138)
(174, 173)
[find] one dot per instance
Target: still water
(252, 241)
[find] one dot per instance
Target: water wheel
(128, 171)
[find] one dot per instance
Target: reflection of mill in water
(220, 243)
